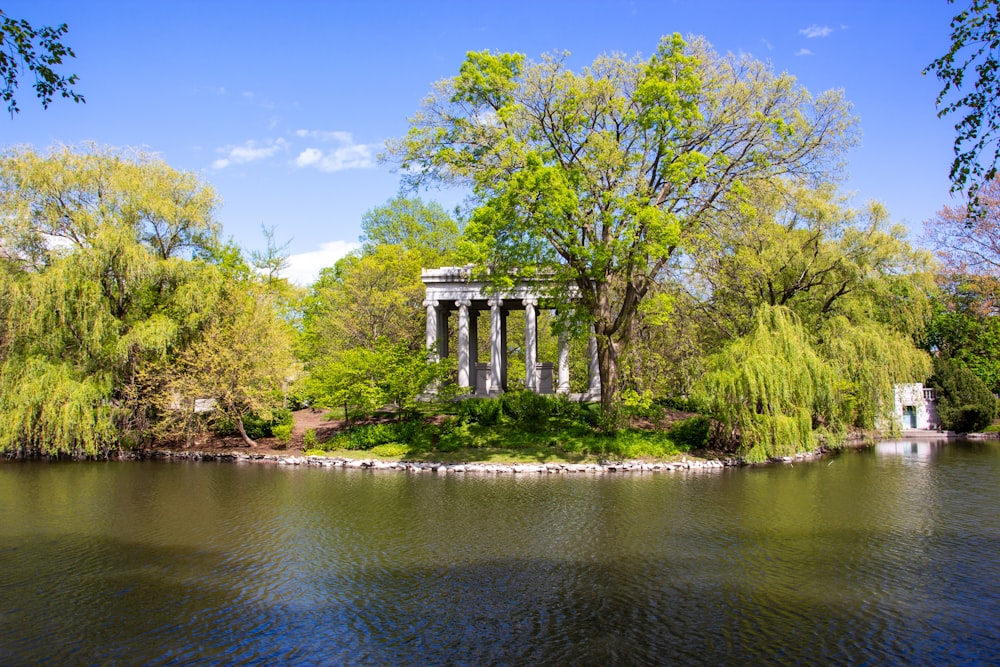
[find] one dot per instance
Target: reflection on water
(864, 558)
(918, 449)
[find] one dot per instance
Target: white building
(916, 408)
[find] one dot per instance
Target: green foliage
(283, 433)
(366, 379)
(523, 409)
(965, 403)
(50, 408)
(96, 292)
(413, 225)
(768, 386)
(679, 403)
(40, 50)
(526, 408)
(309, 440)
(256, 425)
(390, 451)
(600, 177)
(869, 359)
(241, 358)
(372, 435)
(483, 411)
(975, 32)
(691, 433)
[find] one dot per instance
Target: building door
(909, 416)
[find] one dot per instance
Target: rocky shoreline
(599, 468)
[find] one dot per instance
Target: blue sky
(283, 107)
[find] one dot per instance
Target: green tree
(412, 224)
(975, 48)
(768, 386)
(95, 290)
(965, 328)
(41, 51)
(368, 378)
(599, 178)
(241, 358)
(965, 403)
(364, 298)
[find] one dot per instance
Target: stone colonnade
(451, 289)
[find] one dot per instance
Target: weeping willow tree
(97, 282)
(870, 359)
(769, 387)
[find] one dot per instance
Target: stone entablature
(454, 289)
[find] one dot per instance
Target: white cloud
(767, 44)
(816, 31)
(309, 156)
(345, 154)
(248, 152)
(304, 268)
(804, 52)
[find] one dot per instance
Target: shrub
(691, 433)
(484, 411)
(309, 440)
(965, 403)
(391, 450)
(526, 408)
(367, 437)
(283, 432)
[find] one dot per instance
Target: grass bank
(518, 427)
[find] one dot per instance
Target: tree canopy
(41, 51)
(974, 52)
(600, 178)
(110, 274)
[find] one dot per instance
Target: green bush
(391, 450)
(679, 403)
(484, 411)
(309, 440)
(965, 403)
(367, 437)
(691, 433)
(526, 408)
(283, 432)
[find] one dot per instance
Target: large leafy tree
(363, 320)
(797, 276)
(974, 54)
(39, 50)
(94, 288)
(412, 224)
(241, 357)
(598, 178)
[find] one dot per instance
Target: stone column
(473, 349)
(432, 327)
(463, 342)
(503, 350)
(530, 344)
(498, 361)
(562, 384)
(593, 369)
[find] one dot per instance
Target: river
(884, 556)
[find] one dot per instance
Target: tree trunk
(607, 364)
(246, 438)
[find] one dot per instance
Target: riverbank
(684, 464)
